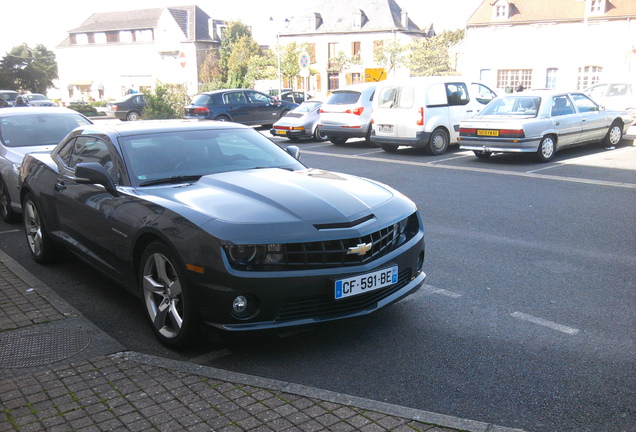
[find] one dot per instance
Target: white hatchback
(347, 113)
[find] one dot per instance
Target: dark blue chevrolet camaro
(212, 223)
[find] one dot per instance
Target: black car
(212, 223)
(296, 96)
(244, 106)
(129, 108)
(7, 98)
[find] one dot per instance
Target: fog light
(239, 305)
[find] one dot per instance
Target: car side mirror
(94, 173)
(294, 151)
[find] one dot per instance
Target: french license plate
(487, 132)
(367, 282)
(280, 132)
(385, 128)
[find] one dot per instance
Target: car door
(593, 122)
(565, 120)
(85, 211)
(459, 107)
(238, 107)
(264, 110)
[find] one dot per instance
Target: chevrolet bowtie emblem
(361, 249)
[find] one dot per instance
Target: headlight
(252, 256)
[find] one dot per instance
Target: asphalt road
(527, 317)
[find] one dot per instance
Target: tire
(482, 155)
(367, 139)
(438, 142)
(222, 119)
(546, 150)
(133, 116)
(389, 148)
(338, 140)
(42, 248)
(320, 136)
(166, 298)
(293, 139)
(6, 212)
(614, 135)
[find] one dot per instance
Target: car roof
(19, 111)
(156, 126)
(541, 93)
(227, 90)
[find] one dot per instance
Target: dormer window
(315, 21)
(596, 7)
(501, 10)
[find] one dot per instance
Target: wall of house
(563, 48)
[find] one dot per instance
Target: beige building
(113, 52)
(334, 29)
(561, 44)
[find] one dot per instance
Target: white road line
(481, 170)
(8, 232)
(429, 289)
(543, 322)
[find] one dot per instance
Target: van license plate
(367, 282)
(386, 128)
(487, 132)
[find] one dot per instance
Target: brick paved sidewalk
(58, 372)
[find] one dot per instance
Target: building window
(91, 38)
(551, 78)
(312, 52)
(355, 50)
(333, 81)
(356, 78)
(596, 7)
(112, 37)
(501, 10)
(588, 75)
(511, 79)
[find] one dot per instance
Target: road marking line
(543, 322)
(482, 170)
(429, 289)
(9, 232)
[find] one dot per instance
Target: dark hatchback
(248, 107)
(213, 223)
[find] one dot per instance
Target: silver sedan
(541, 122)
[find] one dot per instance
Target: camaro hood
(277, 195)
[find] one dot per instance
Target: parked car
(614, 95)
(7, 98)
(129, 108)
(425, 112)
(212, 223)
(274, 92)
(301, 122)
(541, 122)
(28, 130)
(244, 106)
(347, 113)
(295, 97)
(37, 99)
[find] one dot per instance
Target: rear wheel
(6, 212)
(222, 118)
(389, 148)
(338, 140)
(320, 136)
(438, 142)
(547, 148)
(42, 248)
(133, 116)
(166, 297)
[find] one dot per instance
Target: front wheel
(41, 246)
(133, 116)
(166, 297)
(614, 135)
(338, 140)
(438, 142)
(6, 212)
(547, 148)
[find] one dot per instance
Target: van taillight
(356, 111)
(420, 121)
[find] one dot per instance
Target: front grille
(324, 306)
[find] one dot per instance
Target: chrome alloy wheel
(163, 295)
(33, 228)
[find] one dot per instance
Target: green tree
(27, 69)
(430, 56)
(390, 54)
(166, 101)
(231, 35)
(210, 73)
(244, 49)
(262, 67)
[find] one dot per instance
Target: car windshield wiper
(173, 179)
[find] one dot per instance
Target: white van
(424, 111)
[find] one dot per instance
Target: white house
(116, 51)
(331, 27)
(562, 44)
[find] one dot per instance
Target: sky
(47, 22)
